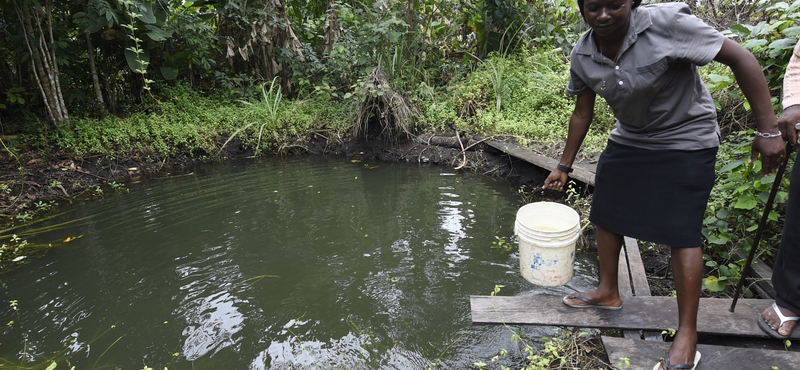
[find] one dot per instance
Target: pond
(302, 262)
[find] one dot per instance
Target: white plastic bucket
(547, 233)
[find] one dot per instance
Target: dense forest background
(68, 60)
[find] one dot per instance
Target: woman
(779, 320)
(655, 175)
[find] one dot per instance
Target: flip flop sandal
(772, 332)
(669, 366)
(589, 303)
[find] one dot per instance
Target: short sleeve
(791, 80)
(696, 41)
(576, 86)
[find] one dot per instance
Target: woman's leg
(607, 292)
(687, 268)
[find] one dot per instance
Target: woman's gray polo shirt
(654, 88)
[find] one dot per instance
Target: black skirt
(653, 195)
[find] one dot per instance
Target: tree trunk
(331, 28)
(95, 79)
(43, 57)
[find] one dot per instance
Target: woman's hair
(635, 4)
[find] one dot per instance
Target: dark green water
(303, 262)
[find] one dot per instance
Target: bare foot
(774, 321)
(593, 296)
(683, 348)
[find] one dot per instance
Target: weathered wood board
(638, 284)
(761, 275)
(642, 355)
(641, 288)
(582, 173)
(637, 313)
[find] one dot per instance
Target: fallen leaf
(71, 238)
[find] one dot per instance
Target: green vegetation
(152, 79)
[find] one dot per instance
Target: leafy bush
(534, 106)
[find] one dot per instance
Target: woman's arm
(751, 80)
(579, 122)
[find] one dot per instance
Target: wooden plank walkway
(633, 282)
(582, 172)
(642, 355)
(643, 317)
(637, 313)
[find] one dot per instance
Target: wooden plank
(762, 275)
(642, 355)
(641, 288)
(623, 276)
(625, 290)
(639, 281)
(637, 313)
(582, 172)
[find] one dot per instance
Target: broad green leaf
(792, 31)
(137, 64)
(741, 188)
(147, 15)
(754, 43)
(773, 216)
(717, 240)
(157, 34)
(713, 284)
(741, 30)
(769, 179)
(169, 73)
(731, 166)
(745, 202)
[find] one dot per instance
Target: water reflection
(296, 263)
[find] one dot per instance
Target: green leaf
(157, 34)
(745, 202)
(792, 31)
(741, 188)
(148, 16)
(137, 64)
(741, 30)
(169, 73)
(731, 166)
(754, 43)
(773, 216)
(713, 284)
(716, 240)
(52, 366)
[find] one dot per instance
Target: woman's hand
(772, 153)
(556, 180)
(787, 122)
